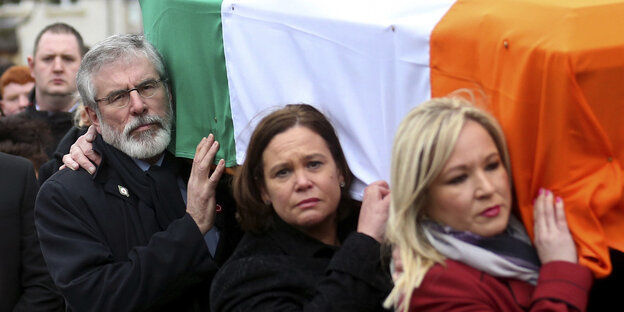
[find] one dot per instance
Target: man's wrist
(202, 222)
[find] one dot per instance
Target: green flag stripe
(189, 36)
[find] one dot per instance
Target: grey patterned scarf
(509, 254)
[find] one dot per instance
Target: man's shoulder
(74, 181)
(32, 112)
(75, 191)
(13, 163)
(15, 172)
(67, 176)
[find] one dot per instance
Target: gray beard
(144, 145)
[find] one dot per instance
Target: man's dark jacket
(107, 250)
(25, 284)
(59, 122)
(53, 164)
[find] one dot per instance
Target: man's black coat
(106, 250)
(25, 284)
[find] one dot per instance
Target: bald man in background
(54, 64)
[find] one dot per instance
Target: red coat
(562, 286)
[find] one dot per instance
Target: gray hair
(114, 49)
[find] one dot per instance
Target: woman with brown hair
(306, 248)
(25, 137)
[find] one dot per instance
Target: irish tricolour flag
(552, 72)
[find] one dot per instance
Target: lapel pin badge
(123, 191)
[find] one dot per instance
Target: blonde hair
(423, 143)
(81, 118)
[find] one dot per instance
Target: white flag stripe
(362, 63)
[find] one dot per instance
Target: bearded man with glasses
(142, 232)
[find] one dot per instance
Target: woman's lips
(491, 212)
(308, 203)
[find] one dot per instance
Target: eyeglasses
(121, 98)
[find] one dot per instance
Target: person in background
(25, 137)
(15, 85)
(308, 246)
(81, 125)
(25, 283)
(142, 232)
(459, 245)
(55, 61)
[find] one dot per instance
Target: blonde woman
(452, 224)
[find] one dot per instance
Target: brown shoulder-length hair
(26, 137)
(253, 214)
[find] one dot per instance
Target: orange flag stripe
(553, 72)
